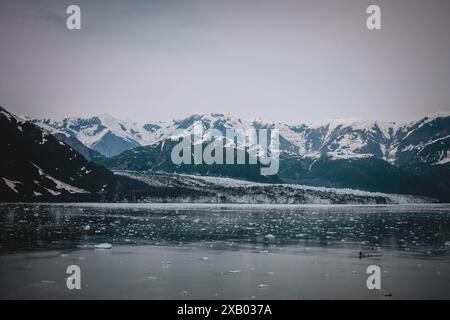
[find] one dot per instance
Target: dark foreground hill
(35, 165)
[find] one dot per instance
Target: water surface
(224, 251)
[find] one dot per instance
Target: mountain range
(405, 144)
(410, 158)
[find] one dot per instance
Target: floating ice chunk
(87, 227)
(47, 281)
(234, 271)
(269, 237)
(205, 258)
(103, 246)
(263, 286)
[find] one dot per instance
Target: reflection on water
(423, 228)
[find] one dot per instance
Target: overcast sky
(292, 61)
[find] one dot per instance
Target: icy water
(178, 251)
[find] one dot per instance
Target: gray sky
(292, 61)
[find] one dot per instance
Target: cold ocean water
(187, 251)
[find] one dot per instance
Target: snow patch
(59, 184)
(12, 184)
(445, 159)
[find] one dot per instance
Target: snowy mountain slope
(88, 153)
(226, 190)
(103, 133)
(423, 141)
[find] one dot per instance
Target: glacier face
(207, 189)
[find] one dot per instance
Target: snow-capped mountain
(426, 140)
(403, 158)
(103, 133)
